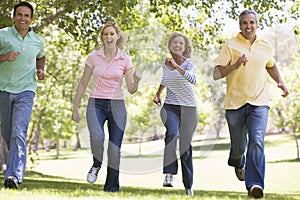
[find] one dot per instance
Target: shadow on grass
(286, 161)
(143, 156)
(39, 184)
(65, 155)
(218, 144)
(214, 147)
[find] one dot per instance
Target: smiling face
(177, 45)
(109, 37)
(22, 19)
(248, 26)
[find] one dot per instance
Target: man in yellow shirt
(245, 61)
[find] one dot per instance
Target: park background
(56, 145)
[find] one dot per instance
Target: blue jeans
(114, 112)
(15, 113)
(248, 121)
(180, 122)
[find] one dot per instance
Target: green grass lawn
(64, 178)
(42, 187)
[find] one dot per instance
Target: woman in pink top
(108, 66)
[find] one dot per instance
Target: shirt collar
(241, 37)
(100, 52)
(17, 33)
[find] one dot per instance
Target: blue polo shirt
(19, 75)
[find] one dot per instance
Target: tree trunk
(57, 149)
(297, 144)
(77, 145)
(35, 141)
(140, 144)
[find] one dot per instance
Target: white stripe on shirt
(180, 88)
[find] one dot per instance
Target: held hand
(40, 74)
(157, 100)
(242, 60)
(284, 89)
(11, 56)
(75, 116)
(179, 59)
(169, 63)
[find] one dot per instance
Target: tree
(287, 112)
(52, 109)
(71, 30)
(203, 19)
(144, 114)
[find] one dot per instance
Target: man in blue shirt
(22, 56)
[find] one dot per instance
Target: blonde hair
(188, 46)
(122, 38)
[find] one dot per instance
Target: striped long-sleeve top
(180, 87)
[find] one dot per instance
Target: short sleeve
(128, 64)
(42, 51)
(224, 57)
(89, 61)
(270, 63)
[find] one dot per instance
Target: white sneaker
(189, 192)
(93, 174)
(168, 182)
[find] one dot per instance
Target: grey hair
(245, 12)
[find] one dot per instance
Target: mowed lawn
(141, 175)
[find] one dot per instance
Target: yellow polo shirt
(247, 84)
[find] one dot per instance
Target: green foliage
(71, 30)
(287, 111)
(147, 46)
(143, 114)
(53, 107)
(201, 20)
(43, 186)
(39, 186)
(6, 12)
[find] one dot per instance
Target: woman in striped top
(178, 113)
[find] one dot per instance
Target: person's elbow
(217, 75)
(132, 90)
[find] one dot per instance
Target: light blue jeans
(114, 112)
(251, 121)
(15, 113)
(180, 123)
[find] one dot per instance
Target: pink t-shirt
(108, 76)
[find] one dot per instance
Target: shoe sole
(167, 185)
(240, 177)
(189, 193)
(91, 181)
(5, 184)
(11, 184)
(256, 193)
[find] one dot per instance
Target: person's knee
(171, 136)
(97, 137)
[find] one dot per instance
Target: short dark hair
(23, 3)
(245, 12)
